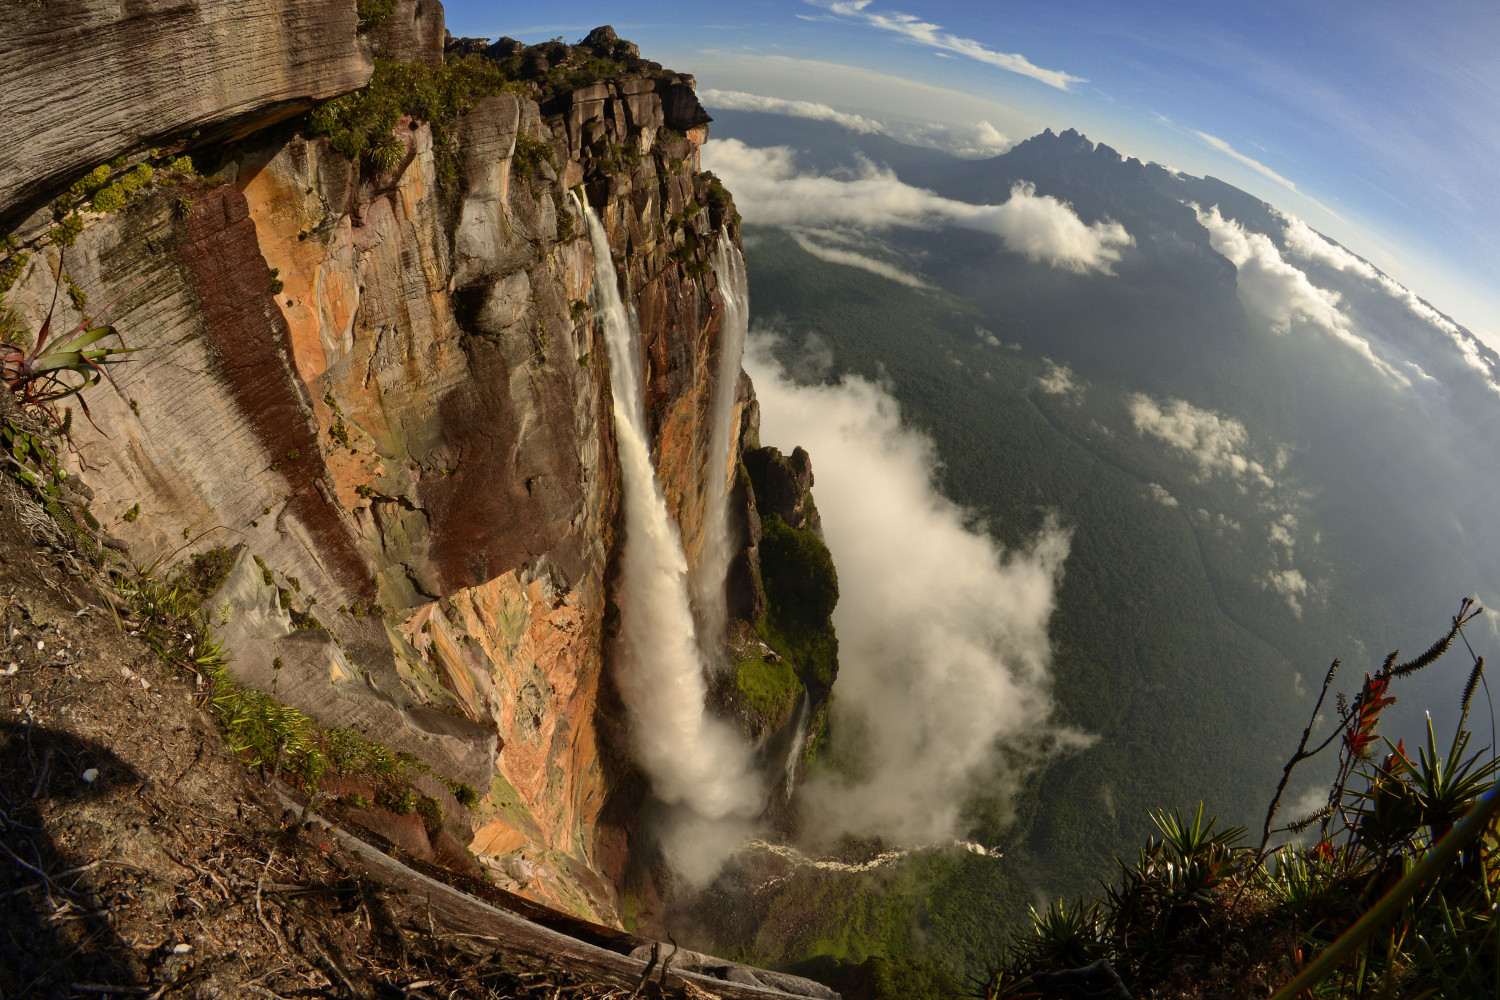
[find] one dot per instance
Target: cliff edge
(363, 438)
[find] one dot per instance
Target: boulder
(464, 46)
(505, 48)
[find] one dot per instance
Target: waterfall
(799, 738)
(712, 572)
(691, 758)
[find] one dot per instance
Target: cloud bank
(1305, 242)
(943, 647)
(1282, 294)
(769, 189)
(925, 33)
(973, 142)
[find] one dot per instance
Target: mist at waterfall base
(944, 680)
(699, 767)
(944, 658)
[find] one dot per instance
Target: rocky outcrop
(82, 81)
(414, 31)
(384, 389)
(783, 485)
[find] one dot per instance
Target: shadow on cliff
(57, 930)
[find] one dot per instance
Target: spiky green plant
(54, 369)
(1398, 895)
(1064, 936)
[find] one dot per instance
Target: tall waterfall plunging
(691, 758)
(709, 576)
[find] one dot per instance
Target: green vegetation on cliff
(802, 588)
(770, 685)
(363, 124)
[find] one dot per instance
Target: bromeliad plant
(1397, 895)
(56, 368)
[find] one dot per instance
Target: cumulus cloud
(1305, 242)
(975, 141)
(1219, 445)
(932, 35)
(1283, 531)
(1281, 293)
(1160, 495)
(943, 647)
(851, 258)
(1058, 380)
(1291, 585)
(769, 189)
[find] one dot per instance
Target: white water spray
(799, 739)
(710, 575)
(692, 759)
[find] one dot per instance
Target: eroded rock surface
(390, 397)
(82, 81)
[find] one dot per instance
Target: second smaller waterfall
(709, 576)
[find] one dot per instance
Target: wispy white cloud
(1254, 164)
(1283, 294)
(1291, 585)
(852, 258)
(944, 657)
(1260, 168)
(738, 100)
(1220, 446)
(922, 32)
(770, 189)
(980, 139)
(1161, 495)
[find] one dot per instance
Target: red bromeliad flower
(1396, 763)
(1371, 700)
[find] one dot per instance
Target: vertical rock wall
(390, 399)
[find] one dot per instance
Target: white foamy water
(692, 759)
(712, 571)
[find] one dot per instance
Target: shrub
(374, 13)
(361, 124)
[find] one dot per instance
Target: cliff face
(382, 388)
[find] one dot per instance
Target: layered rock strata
(82, 81)
(383, 390)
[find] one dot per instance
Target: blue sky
(1376, 122)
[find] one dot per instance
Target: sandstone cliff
(376, 381)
